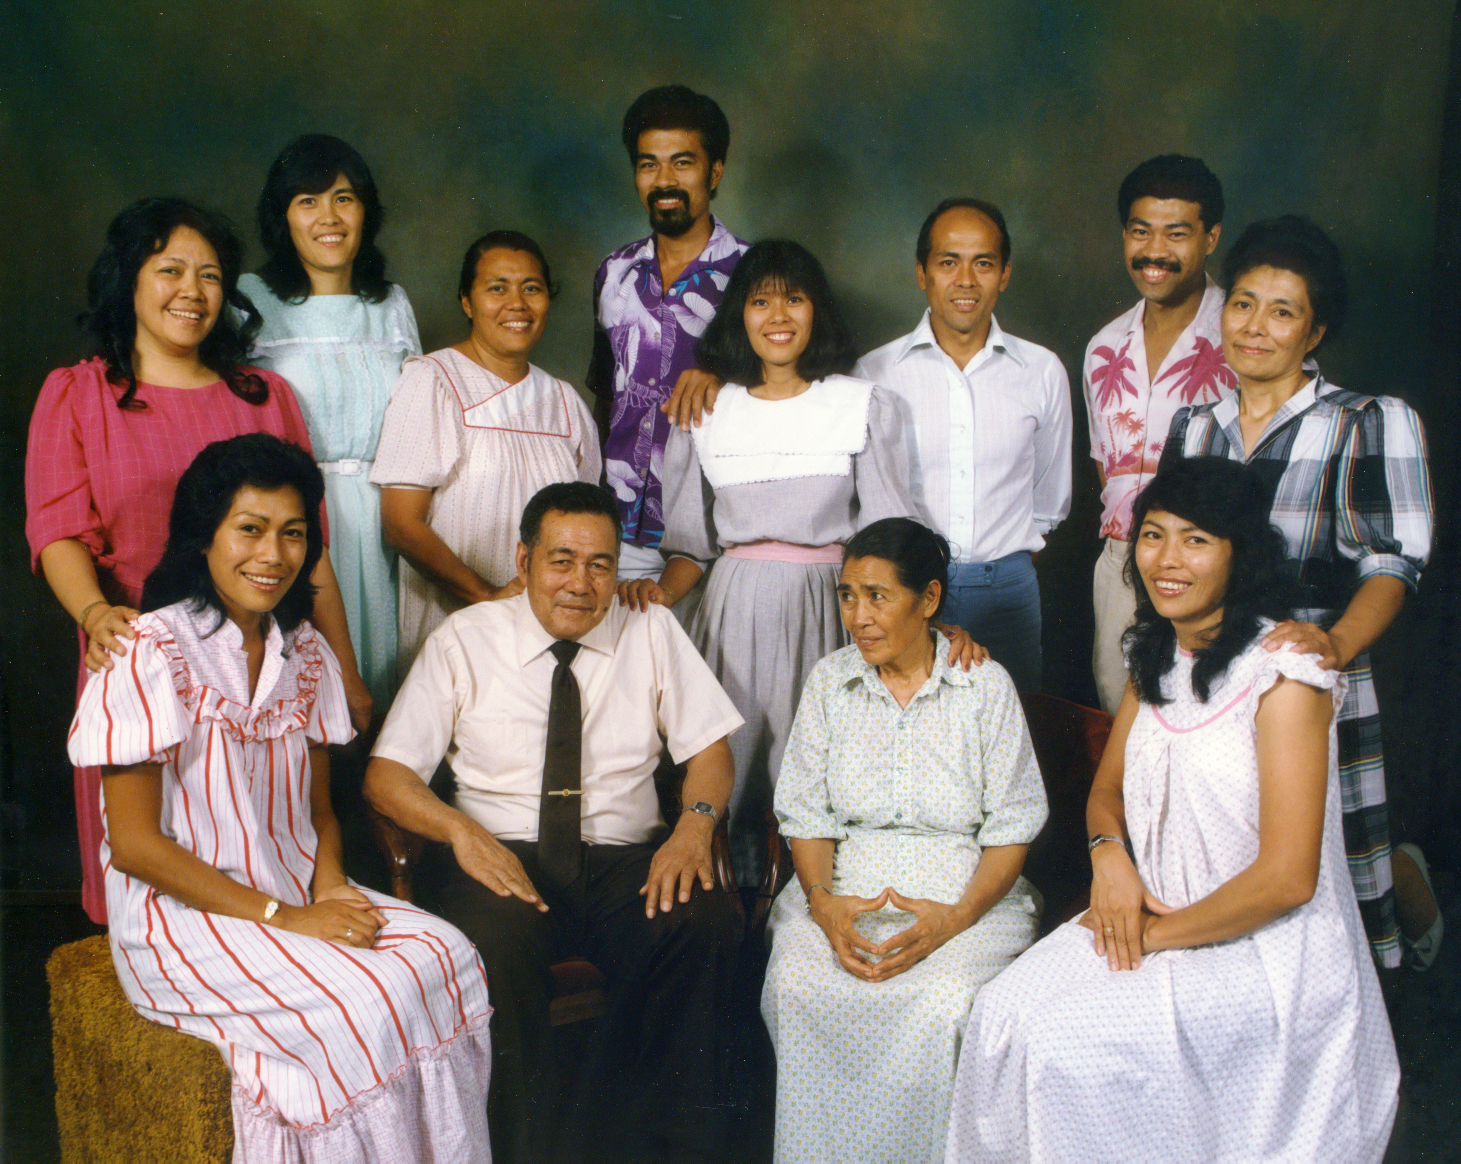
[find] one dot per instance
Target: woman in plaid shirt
(1352, 496)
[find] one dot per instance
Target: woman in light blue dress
(338, 332)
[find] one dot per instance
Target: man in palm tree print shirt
(1146, 363)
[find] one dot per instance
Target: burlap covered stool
(128, 1089)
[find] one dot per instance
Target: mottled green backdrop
(848, 122)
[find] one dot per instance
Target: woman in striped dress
(355, 1026)
(1351, 494)
(471, 433)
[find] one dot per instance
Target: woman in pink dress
(110, 437)
(354, 1025)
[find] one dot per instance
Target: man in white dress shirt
(1148, 362)
(484, 694)
(988, 417)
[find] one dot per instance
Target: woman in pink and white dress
(471, 433)
(355, 1025)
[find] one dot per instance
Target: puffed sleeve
(329, 714)
(58, 498)
(405, 320)
(1013, 805)
(1384, 509)
(689, 502)
(133, 713)
(803, 803)
(420, 438)
(1268, 667)
(881, 472)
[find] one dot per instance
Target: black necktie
(560, 815)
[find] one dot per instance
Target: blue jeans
(998, 603)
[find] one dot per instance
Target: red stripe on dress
(273, 837)
(106, 677)
(247, 848)
(344, 1010)
(448, 973)
(142, 695)
(208, 789)
(384, 993)
(282, 1005)
(425, 1002)
(152, 943)
(132, 970)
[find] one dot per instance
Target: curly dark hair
(677, 107)
(134, 236)
(204, 496)
(1173, 176)
(309, 165)
(783, 265)
(1227, 500)
(1294, 243)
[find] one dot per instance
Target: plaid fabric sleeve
(1384, 511)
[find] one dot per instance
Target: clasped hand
(342, 915)
(1122, 908)
(936, 924)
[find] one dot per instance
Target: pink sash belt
(772, 551)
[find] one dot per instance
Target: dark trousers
(655, 1080)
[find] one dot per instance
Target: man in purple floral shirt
(1141, 367)
(652, 300)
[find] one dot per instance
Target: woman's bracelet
(1101, 839)
(87, 609)
(809, 894)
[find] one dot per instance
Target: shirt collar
(922, 337)
(720, 245)
(853, 668)
(1225, 412)
(1206, 319)
(212, 623)
(533, 639)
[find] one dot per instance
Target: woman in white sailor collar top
(795, 459)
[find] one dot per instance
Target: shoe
(1420, 953)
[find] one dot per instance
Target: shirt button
(898, 815)
(652, 380)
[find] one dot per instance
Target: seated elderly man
(552, 709)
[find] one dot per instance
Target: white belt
(348, 468)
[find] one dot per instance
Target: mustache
(669, 192)
(1161, 264)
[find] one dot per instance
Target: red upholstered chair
(579, 984)
(1069, 740)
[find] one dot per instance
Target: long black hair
(134, 236)
(204, 496)
(918, 554)
(309, 165)
(1229, 501)
(782, 265)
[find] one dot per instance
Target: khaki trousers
(1115, 609)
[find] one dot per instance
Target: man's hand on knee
(677, 863)
(483, 856)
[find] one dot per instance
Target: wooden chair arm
(402, 850)
(778, 872)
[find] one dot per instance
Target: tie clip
(565, 792)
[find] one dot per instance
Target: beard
(675, 221)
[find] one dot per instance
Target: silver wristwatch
(704, 810)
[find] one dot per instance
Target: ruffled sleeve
(1269, 666)
(329, 714)
(133, 713)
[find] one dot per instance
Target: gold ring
(351, 933)
(1110, 929)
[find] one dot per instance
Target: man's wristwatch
(704, 810)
